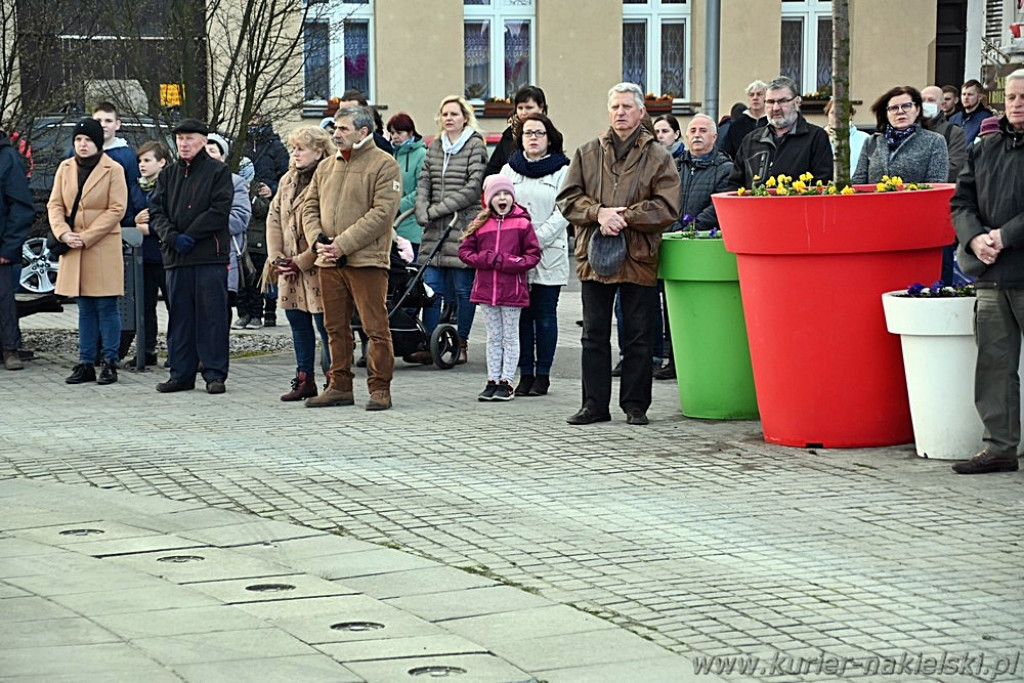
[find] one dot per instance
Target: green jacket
(410, 158)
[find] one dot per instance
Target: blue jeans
(538, 330)
(98, 318)
(304, 340)
(454, 286)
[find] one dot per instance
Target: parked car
(50, 142)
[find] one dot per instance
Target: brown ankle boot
(463, 354)
(303, 386)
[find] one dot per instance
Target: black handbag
(55, 246)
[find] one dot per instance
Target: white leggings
(502, 323)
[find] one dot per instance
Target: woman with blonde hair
(290, 259)
(448, 194)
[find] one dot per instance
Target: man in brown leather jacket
(622, 190)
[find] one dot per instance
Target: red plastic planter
(812, 271)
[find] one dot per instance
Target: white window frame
(654, 14)
(809, 11)
(497, 12)
(335, 14)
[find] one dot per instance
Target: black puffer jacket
(193, 198)
(269, 157)
(805, 148)
(700, 179)
(990, 195)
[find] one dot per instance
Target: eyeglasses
(784, 100)
(897, 108)
(534, 133)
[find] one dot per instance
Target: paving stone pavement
(696, 535)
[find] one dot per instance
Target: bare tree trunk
(841, 89)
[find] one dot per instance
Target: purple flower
(713, 233)
(936, 287)
(687, 219)
(915, 289)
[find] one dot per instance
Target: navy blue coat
(16, 211)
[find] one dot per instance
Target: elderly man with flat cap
(189, 212)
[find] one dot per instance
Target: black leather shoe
(635, 416)
(587, 416)
(667, 372)
(108, 375)
(985, 463)
(215, 386)
(173, 385)
(540, 386)
(81, 373)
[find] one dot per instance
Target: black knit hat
(191, 126)
(90, 128)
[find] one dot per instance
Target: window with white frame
(655, 44)
(807, 44)
(499, 47)
(338, 48)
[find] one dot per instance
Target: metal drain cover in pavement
(82, 532)
(357, 626)
(270, 587)
(437, 671)
(181, 558)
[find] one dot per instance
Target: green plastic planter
(709, 335)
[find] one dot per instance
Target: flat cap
(191, 126)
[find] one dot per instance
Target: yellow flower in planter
(742, 191)
(845, 190)
(770, 182)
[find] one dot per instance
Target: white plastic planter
(939, 355)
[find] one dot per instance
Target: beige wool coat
(285, 238)
(98, 268)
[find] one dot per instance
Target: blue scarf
(895, 138)
(537, 169)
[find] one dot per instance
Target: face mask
(930, 109)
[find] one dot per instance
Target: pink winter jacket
(502, 250)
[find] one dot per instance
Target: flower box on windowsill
(658, 106)
(498, 109)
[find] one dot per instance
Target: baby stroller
(407, 296)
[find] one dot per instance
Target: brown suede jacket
(354, 201)
(646, 182)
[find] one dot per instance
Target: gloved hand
(183, 244)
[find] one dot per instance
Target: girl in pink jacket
(501, 245)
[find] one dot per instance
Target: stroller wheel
(444, 346)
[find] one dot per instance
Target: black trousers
(639, 306)
(198, 327)
(153, 282)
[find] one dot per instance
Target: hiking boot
(331, 397)
(215, 386)
(269, 320)
(463, 353)
(379, 400)
(81, 373)
(488, 393)
(241, 322)
(421, 357)
(525, 385)
(985, 463)
(108, 375)
(12, 360)
(504, 392)
(254, 324)
(303, 386)
(540, 386)
(172, 385)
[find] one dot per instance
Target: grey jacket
(922, 158)
(700, 179)
(442, 194)
(956, 143)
